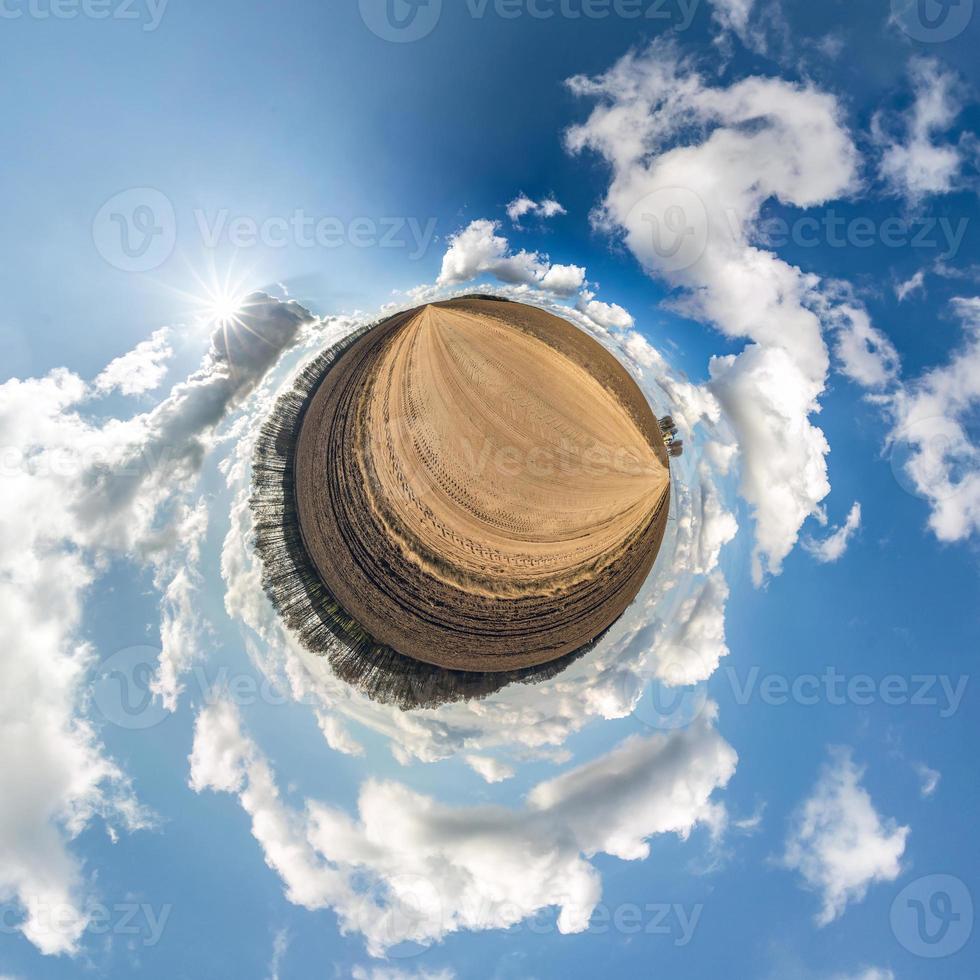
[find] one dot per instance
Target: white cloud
(492, 770)
(609, 316)
(691, 651)
(181, 624)
(641, 352)
(522, 205)
(549, 207)
(280, 946)
(337, 735)
(59, 779)
(393, 973)
(928, 780)
(562, 280)
(865, 354)
(733, 15)
(839, 843)
(920, 165)
(784, 474)
(912, 285)
(140, 370)
(833, 547)
(692, 166)
(790, 967)
(478, 250)
(433, 869)
(932, 418)
(717, 526)
(77, 492)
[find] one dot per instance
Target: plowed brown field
(481, 485)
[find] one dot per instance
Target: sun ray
(220, 307)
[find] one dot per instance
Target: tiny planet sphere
(474, 486)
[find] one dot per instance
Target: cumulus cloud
(76, 493)
(692, 650)
(717, 526)
(522, 205)
(141, 369)
(692, 166)
(839, 843)
(733, 15)
(932, 418)
(784, 471)
(916, 163)
(834, 546)
(478, 250)
(492, 770)
(864, 353)
(409, 868)
(609, 316)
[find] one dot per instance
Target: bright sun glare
(220, 307)
(223, 309)
(220, 299)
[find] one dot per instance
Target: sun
(220, 299)
(223, 309)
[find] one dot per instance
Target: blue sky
(820, 343)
